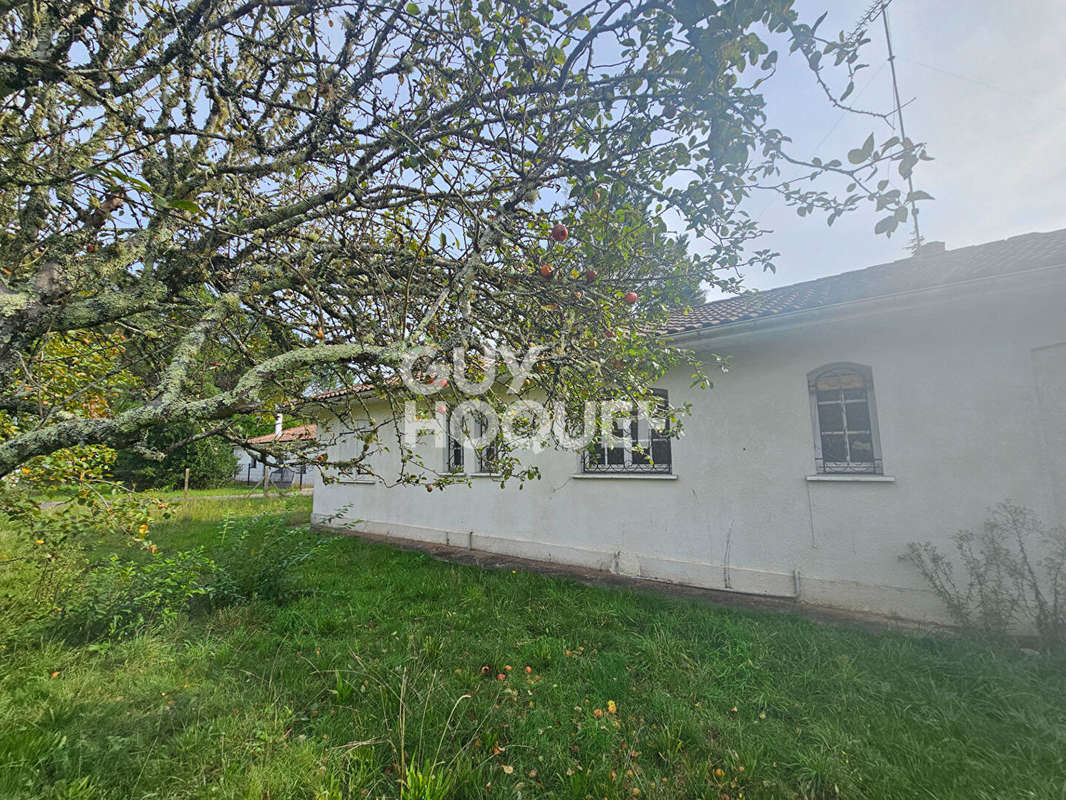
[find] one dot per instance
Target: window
(642, 447)
(461, 451)
(845, 420)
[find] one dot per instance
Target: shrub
(123, 596)
(120, 597)
(258, 560)
(1014, 576)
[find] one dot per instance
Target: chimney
(932, 249)
(279, 422)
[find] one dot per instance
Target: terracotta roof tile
(295, 434)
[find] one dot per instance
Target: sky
(983, 86)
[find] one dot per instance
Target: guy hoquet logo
(520, 424)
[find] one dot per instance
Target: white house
(250, 464)
(861, 411)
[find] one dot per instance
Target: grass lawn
(377, 666)
(230, 491)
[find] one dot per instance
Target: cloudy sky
(985, 83)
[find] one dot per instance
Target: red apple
(546, 270)
(91, 248)
(591, 275)
(609, 334)
(559, 232)
(631, 297)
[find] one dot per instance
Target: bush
(123, 596)
(210, 461)
(1014, 576)
(258, 560)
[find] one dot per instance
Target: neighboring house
(250, 465)
(861, 411)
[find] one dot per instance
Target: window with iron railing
(461, 454)
(639, 446)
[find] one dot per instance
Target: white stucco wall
(970, 387)
(245, 473)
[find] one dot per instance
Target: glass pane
(858, 416)
(833, 447)
(862, 448)
(660, 452)
(638, 431)
(660, 408)
(854, 394)
(832, 394)
(486, 458)
(616, 455)
(839, 380)
(455, 455)
(830, 417)
(595, 456)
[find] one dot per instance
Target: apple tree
(264, 197)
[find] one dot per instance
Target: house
(861, 412)
(250, 464)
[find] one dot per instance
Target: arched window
(845, 419)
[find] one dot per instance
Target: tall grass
(390, 674)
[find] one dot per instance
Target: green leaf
(413, 9)
(886, 224)
(185, 205)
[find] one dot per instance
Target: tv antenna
(879, 8)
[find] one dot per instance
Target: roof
(298, 433)
(927, 270)
(357, 388)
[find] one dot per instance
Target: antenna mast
(880, 8)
